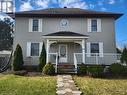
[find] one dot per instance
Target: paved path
(66, 86)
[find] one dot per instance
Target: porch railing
(77, 60)
(53, 57)
(98, 58)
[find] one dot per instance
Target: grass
(20, 85)
(94, 86)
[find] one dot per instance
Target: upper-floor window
(94, 25)
(35, 25)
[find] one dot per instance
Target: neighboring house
(71, 36)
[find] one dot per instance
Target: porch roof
(65, 33)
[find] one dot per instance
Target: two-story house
(71, 36)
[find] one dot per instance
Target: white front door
(62, 53)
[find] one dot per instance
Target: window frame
(31, 49)
(34, 26)
(93, 47)
(94, 26)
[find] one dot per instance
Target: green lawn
(19, 85)
(94, 86)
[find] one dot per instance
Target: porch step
(66, 68)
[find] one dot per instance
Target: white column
(47, 51)
(83, 51)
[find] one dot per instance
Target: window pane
(94, 25)
(94, 47)
(34, 49)
(35, 25)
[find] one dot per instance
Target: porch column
(83, 51)
(47, 51)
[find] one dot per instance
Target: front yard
(20, 85)
(94, 86)
(46, 85)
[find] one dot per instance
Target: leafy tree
(6, 31)
(124, 56)
(42, 59)
(18, 59)
(118, 50)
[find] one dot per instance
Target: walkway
(66, 86)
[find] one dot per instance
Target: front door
(62, 53)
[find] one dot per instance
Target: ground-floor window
(95, 47)
(34, 49)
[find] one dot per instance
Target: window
(34, 49)
(64, 23)
(94, 47)
(35, 25)
(94, 25)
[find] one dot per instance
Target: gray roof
(66, 12)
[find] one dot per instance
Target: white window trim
(28, 49)
(89, 27)
(88, 44)
(40, 22)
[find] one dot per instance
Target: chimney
(65, 7)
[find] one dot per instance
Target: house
(71, 36)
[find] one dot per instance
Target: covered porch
(69, 48)
(62, 48)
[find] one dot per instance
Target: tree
(18, 59)
(118, 50)
(6, 31)
(42, 58)
(124, 56)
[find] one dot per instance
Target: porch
(68, 49)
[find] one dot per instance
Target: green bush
(116, 68)
(95, 70)
(42, 58)
(82, 69)
(49, 69)
(124, 56)
(125, 70)
(18, 59)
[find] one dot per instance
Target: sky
(119, 6)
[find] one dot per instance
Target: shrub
(95, 70)
(18, 59)
(125, 70)
(82, 69)
(42, 59)
(124, 56)
(116, 68)
(49, 69)
(21, 73)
